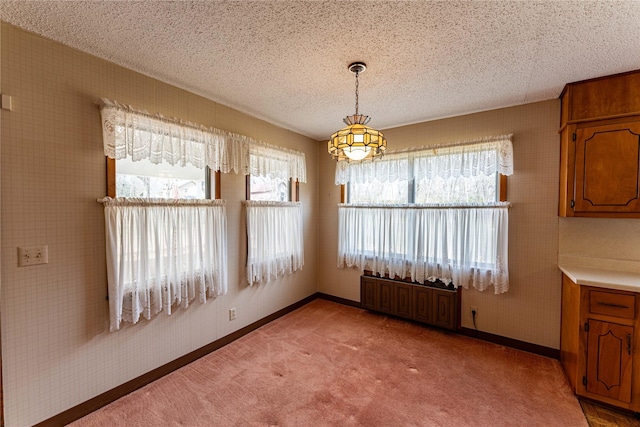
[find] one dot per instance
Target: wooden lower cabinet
(598, 343)
(422, 303)
(609, 360)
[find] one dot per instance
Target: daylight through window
(429, 213)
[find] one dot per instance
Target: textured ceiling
(286, 61)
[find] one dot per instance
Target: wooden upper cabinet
(600, 147)
(607, 168)
(606, 97)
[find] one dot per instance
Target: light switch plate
(33, 255)
(5, 103)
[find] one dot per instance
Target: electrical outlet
(33, 255)
(232, 313)
(473, 309)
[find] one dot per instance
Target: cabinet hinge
(573, 204)
(574, 137)
(586, 326)
(584, 381)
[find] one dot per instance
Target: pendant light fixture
(357, 141)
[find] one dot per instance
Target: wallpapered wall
(529, 311)
(57, 350)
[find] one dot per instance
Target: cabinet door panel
(403, 299)
(444, 309)
(607, 172)
(609, 363)
(369, 298)
(386, 289)
(422, 304)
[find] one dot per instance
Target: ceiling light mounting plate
(357, 67)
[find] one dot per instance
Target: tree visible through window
(143, 179)
(266, 188)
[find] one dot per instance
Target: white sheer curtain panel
(127, 132)
(465, 246)
(163, 253)
(275, 240)
(484, 156)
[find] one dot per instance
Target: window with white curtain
(447, 224)
(163, 253)
(275, 244)
(143, 179)
(168, 251)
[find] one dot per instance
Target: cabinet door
(386, 290)
(444, 308)
(609, 363)
(369, 298)
(422, 304)
(403, 300)
(607, 168)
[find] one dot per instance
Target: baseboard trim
(485, 336)
(116, 393)
(513, 343)
(339, 300)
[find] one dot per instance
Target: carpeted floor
(327, 364)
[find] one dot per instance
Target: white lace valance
(277, 162)
(484, 156)
(127, 132)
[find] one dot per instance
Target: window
(429, 191)
(273, 189)
(265, 188)
(166, 242)
(376, 192)
(143, 179)
(162, 254)
(432, 212)
(275, 244)
(274, 239)
(275, 174)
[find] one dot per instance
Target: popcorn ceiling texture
(286, 61)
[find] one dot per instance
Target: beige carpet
(327, 364)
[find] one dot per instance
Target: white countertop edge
(610, 279)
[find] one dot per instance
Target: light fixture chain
(357, 92)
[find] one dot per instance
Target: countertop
(611, 279)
